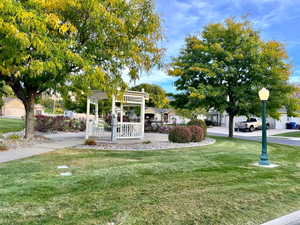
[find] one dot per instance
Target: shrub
(197, 133)
(13, 137)
(3, 147)
(199, 123)
(90, 142)
(58, 123)
(180, 135)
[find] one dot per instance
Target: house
(222, 119)
(168, 116)
(14, 108)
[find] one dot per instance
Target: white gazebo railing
(129, 130)
(95, 129)
(118, 129)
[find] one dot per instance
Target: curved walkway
(58, 141)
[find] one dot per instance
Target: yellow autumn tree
(49, 44)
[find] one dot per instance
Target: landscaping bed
(214, 184)
(151, 141)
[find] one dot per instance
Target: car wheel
(268, 126)
(251, 129)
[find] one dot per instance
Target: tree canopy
(225, 66)
(157, 96)
(49, 45)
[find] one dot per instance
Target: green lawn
(290, 134)
(11, 125)
(215, 184)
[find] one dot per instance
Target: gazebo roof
(128, 97)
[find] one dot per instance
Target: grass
(290, 134)
(215, 184)
(11, 125)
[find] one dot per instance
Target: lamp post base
(264, 161)
(266, 166)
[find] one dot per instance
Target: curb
(288, 138)
(290, 219)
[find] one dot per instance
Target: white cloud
(154, 76)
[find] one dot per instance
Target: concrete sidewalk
(290, 219)
(58, 141)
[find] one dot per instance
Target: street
(255, 136)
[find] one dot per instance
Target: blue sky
(275, 19)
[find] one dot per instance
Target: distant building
(168, 116)
(14, 108)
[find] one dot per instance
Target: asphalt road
(277, 140)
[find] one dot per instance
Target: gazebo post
(114, 119)
(97, 112)
(113, 105)
(87, 118)
(121, 118)
(143, 115)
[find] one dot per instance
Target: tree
(49, 45)
(35, 49)
(157, 95)
(226, 66)
(5, 91)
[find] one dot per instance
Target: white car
(250, 124)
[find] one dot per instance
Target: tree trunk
(29, 119)
(231, 119)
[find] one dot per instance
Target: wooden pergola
(119, 129)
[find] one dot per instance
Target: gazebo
(118, 128)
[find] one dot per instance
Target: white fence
(129, 130)
(124, 130)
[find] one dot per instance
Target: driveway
(256, 135)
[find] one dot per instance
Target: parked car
(291, 125)
(250, 124)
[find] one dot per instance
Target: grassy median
(290, 134)
(215, 184)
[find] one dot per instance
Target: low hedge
(180, 135)
(199, 123)
(58, 123)
(197, 133)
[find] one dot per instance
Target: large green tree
(157, 96)
(49, 45)
(35, 51)
(225, 66)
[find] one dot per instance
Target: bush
(197, 133)
(90, 142)
(3, 147)
(58, 123)
(199, 123)
(180, 135)
(14, 137)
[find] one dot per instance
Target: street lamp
(264, 96)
